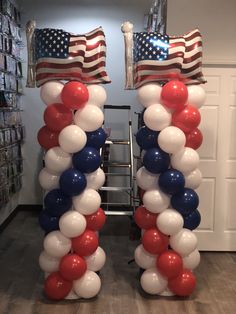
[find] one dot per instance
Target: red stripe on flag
(95, 45)
(48, 65)
(67, 76)
(98, 33)
(95, 57)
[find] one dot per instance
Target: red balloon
(144, 218)
(184, 284)
(154, 241)
(169, 264)
(57, 117)
(74, 95)
(55, 287)
(47, 138)
(96, 221)
(174, 95)
(194, 139)
(72, 267)
(85, 244)
(187, 119)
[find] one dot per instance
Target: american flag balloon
(160, 58)
(59, 55)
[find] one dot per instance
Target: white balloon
(196, 95)
(149, 94)
(184, 242)
(71, 295)
(88, 286)
(193, 179)
(185, 160)
(97, 95)
(47, 180)
(157, 117)
(46, 275)
(156, 201)
(48, 263)
(96, 179)
(142, 232)
(50, 92)
(72, 224)
(146, 180)
(45, 192)
(57, 161)
(192, 260)
(167, 293)
(89, 118)
(87, 202)
(143, 259)
(72, 139)
(96, 261)
(171, 139)
(152, 281)
(170, 222)
(56, 244)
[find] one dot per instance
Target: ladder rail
(130, 164)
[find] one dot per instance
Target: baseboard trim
(8, 219)
(30, 207)
(22, 207)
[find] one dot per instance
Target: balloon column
(168, 179)
(72, 217)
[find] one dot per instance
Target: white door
(217, 193)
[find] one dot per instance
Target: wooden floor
(21, 280)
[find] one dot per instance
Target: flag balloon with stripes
(160, 58)
(60, 55)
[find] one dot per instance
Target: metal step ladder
(118, 168)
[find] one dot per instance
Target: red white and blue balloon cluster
(72, 217)
(168, 178)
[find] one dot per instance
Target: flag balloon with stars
(154, 57)
(55, 54)
(61, 55)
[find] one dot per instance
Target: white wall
(217, 23)
(82, 16)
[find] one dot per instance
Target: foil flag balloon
(153, 57)
(60, 55)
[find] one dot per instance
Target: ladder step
(126, 107)
(117, 174)
(117, 141)
(115, 188)
(119, 213)
(116, 164)
(127, 205)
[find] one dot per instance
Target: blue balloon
(57, 203)
(87, 160)
(147, 138)
(48, 223)
(72, 182)
(193, 220)
(156, 160)
(185, 202)
(171, 181)
(96, 138)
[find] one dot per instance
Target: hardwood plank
(21, 281)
